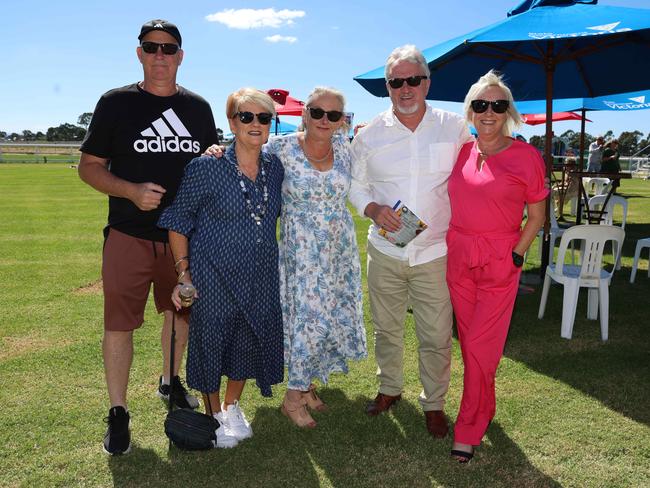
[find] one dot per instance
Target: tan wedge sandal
(297, 413)
(313, 400)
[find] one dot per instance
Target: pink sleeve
(536, 173)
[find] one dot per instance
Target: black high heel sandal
(465, 457)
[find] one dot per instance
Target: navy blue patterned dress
(236, 323)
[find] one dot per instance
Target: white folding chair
(640, 244)
(614, 202)
(589, 274)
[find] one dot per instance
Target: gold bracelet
(181, 275)
(184, 258)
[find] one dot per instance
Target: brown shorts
(129, 267)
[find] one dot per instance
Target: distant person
(494, 178)
(595, 155)
(140, 138)
(610, 162)
(407, 153)
(222, 233)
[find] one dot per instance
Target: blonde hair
(248, 95)
(408, 53)
(493, 78)
(321, 91)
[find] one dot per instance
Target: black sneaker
(118, 438)
(181, 397)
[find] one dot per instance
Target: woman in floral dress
(320, 275)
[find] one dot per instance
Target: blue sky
(59, 57)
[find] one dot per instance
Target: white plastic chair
(555, 232)
(596, 186)
(608, 217)
(640, 244)
(589, 274)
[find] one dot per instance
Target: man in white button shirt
(407, 154)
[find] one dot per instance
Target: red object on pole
(538, 119)
(284, 103)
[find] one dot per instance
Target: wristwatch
(517, 259)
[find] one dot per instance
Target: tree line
(63, 132)
(629, 142)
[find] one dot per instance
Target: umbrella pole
(582, 139)
(550, 70)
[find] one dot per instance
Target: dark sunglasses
(332, 115)
(410, 81)
(498, 106)
(152, 48)
(263, 118)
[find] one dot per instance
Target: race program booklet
(412, 225)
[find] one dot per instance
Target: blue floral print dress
(320, 274)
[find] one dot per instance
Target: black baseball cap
(161, 25)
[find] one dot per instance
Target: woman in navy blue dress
(222, 228)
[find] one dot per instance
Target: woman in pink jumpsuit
(493, 179)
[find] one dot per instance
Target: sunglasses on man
(498, 106)
(332, 115)
(150, 47)
(410, 81)
(263, 118)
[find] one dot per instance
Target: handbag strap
(172, 348)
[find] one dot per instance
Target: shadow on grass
(347, 449)
(616, 372)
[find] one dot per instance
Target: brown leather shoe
(381, 403)
(436, 423)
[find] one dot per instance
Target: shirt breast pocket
(442, 156)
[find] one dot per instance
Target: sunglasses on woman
(498, 106)
(152, 47)
(263, 118)
(410, 81)
(332, 115)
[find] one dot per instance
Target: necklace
(257, 213)
(312, 158)
(484, 155)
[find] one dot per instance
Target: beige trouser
(391, 285)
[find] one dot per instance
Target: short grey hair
(493, 78)
(248, 95)
(408, 53)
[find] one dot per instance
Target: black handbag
(186, 428)
(191, 430)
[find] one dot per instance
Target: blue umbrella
(546, 49)
(639, 100)
(571, 39)
(622, 102)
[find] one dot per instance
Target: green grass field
(569, 413)
(39, 158)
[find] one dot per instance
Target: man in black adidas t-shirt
(139, 141)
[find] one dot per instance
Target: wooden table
(595, 216)
(561, 186)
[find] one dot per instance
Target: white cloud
(279, 38)
(248, 18)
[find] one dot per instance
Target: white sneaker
(239, 426)
(225, 437)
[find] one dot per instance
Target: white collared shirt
(391, 163)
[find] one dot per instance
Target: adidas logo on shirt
(167, 134)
